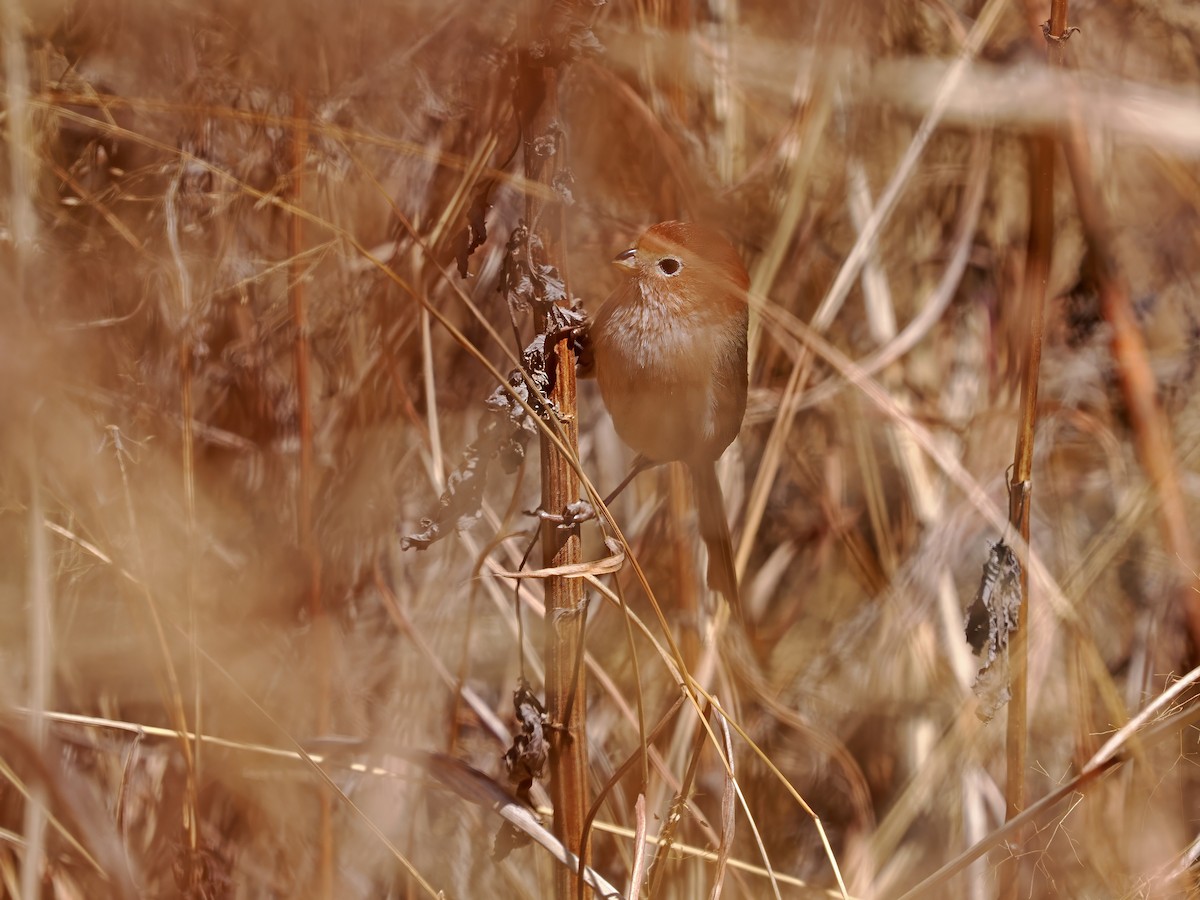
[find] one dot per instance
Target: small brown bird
(669, 351)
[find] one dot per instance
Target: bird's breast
(656, 374)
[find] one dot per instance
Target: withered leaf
(504, 431)
(474, 231)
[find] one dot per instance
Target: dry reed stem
(566, 607)
(1039, 249)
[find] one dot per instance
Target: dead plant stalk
(1039, 250)
(565, 608)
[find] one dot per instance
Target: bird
(669, 351)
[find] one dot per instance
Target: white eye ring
(670, 265)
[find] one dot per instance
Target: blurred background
(252, 255)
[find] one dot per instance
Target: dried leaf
(526, 759)
(474, 231)
(504, 430)
(526, 279)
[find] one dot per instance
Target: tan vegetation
(239, 362)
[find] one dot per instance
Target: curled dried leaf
(504, 431)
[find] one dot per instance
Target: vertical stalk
(565, 610)
(1033, 297)
(565, 699)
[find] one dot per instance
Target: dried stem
(1038, 253)
(565, 608)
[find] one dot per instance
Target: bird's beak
(626, 259)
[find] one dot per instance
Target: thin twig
(1032, 302)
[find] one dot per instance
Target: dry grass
(223, 677)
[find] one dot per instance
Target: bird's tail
(714, 529)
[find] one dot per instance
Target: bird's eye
(669, 265)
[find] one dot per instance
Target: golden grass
(239, 364)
